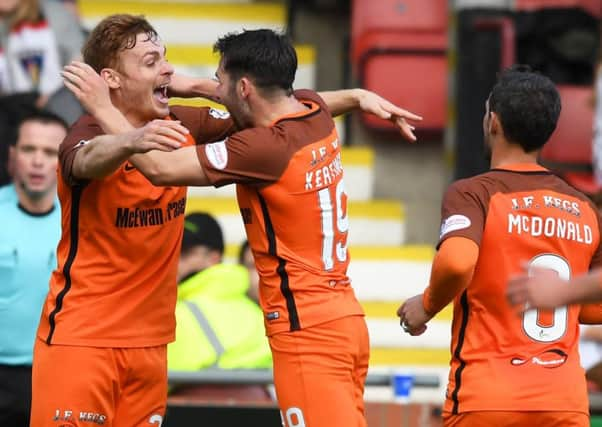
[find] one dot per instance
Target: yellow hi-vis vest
(217, 324)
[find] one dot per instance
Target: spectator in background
(246, 259)
(208, 291)
(36, 41)
(69, 4)
(28, 237)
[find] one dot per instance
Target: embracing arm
(163, 161)
(178, 167)
(192, 87)
(101, 156)
(104, 154)
(166, 163)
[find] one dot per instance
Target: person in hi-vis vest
(218, 325)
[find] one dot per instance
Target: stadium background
(433, 57)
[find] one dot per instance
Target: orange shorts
(319, 373)
(516, 419)
(92, 386)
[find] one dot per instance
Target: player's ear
(244, 87)
(495, 125)
(111, 77)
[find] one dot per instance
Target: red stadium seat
(398, 49)
(402, 19)
(584, 182)
(416, 81)
(569, 150)
(593, 7)
(570, 146)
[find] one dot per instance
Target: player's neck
(508, 154)
(131, 114)
(268, 111)
(134, 119)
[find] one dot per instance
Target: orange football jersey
(292, 199)
(521, 214)
(115, 285)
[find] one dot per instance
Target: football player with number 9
(286, 164)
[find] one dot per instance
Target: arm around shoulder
(101, 156)
(178, 167)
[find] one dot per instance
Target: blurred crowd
(37, 38)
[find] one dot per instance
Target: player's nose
(167, 68)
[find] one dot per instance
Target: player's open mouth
(160, 94)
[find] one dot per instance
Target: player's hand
(538, 289)
(377, 105)
(88, 86)
(412, 316)
(162, 135)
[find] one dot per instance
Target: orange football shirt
(115, 285)
(292, 199)
(521, 214)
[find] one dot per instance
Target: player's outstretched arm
(539, 289)
(450, 275)
(346, 100)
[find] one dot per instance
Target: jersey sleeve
(205, 124)
(256, 156)
(79, 135)
(463, 211)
